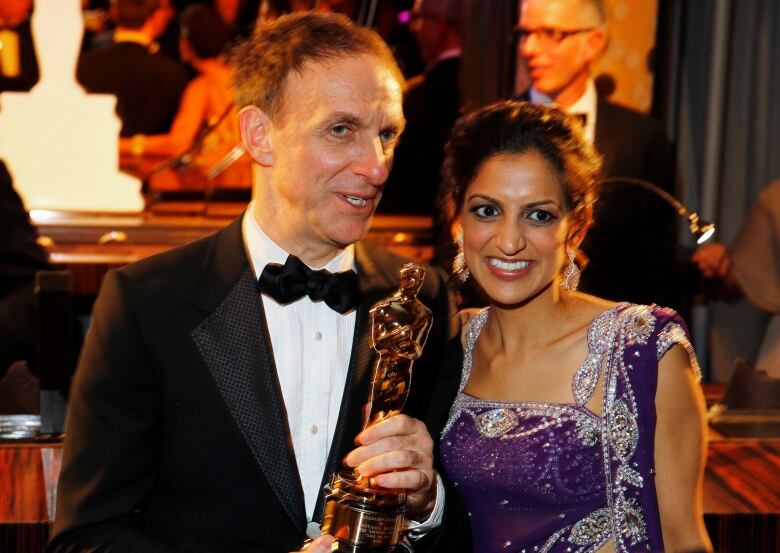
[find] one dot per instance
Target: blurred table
(89, 244)
(28, 479)
(741, 489)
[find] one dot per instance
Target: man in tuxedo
(210, 406)
(632, 247)
(147, 84)
(431, 106)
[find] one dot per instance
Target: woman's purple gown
(547, 477)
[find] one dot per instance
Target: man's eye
(339, 130)
(387, 135)
(485, 211)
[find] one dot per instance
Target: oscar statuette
(361, 517)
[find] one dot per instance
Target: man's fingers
(412, 480)
(397, 459)
(399, 425)
(396, 445)
(322, 544)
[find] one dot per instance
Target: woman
(207, 100)
(569, 405)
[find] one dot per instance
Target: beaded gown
(548, 477)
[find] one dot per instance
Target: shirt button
(314, 429)
(318, 335)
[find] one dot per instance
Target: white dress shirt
(587, 104)
(312, 346)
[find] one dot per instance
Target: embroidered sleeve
(672, 334)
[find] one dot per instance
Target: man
(147, 84)
(632, 246)
(20, 258)
(431, 106)
(206, 415)
(20, 254)
(18, 62)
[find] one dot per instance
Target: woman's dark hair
(516, 128)
(204, 31)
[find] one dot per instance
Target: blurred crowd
(168, 63)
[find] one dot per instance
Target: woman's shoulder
(472, 319)
(633, 323)
(656, 317)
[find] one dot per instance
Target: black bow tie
(293, 280)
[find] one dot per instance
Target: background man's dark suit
(20, 255)
(148, 86)
(431, 107)
(203, 458)
(28, 62)
(20, 258)
(632, 245)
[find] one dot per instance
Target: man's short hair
(600, 9)
(265, 60)
(132, 14)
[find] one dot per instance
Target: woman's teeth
(357, 202)
(506, 266)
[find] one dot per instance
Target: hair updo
(512, 127)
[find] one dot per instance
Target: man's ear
(596, 43)
(256, 134)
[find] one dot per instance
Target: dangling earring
(571, 276)
(459, 263)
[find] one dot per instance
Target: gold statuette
(364, 518)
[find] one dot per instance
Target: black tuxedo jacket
(633, 244)
(148, 86)
(431, 108)
(177, 437)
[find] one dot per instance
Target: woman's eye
(541, 216)
(485, 211)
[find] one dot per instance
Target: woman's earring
(459, 263)
(571, 276)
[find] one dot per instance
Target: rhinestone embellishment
(623, 431)
(496, 422)
(594, 528)
(640, 326)
(633, 527)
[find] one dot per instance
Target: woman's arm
(189, 120)
(680, 454)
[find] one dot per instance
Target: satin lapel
(235, 345)
(375, 283)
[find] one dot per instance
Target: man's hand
(323, 544)
(398, 453)
(713, 260)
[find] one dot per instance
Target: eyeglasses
(547, 37)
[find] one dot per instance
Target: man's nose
(529, 47)
(373, 162)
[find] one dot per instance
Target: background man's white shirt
(586, 105)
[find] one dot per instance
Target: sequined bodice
(554, 478)
(524, 469)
